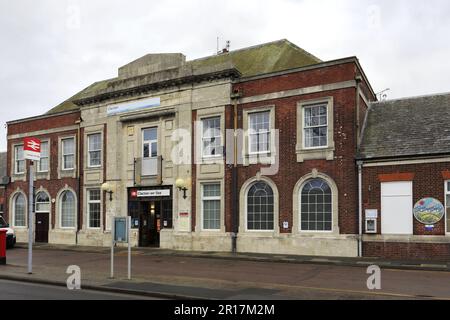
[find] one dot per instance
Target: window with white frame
(42, 202)
(150, 143)
(260, 207)
(44, 161)
(19, 210)
(316, 206)
(68, 153)
(447, 205)
(67, 209)
(19, 160)
(315, 126)
(211, 206)
(95, 150)
(211, 137)
(94, 208)
(259, 132)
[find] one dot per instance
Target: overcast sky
(51, 49)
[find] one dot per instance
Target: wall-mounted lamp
(181, 184)
(108, 189)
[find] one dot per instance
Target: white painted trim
(12, 207)
(220, 198)
(446, 192)
(299, 92)
(59, 206)
(405, 162)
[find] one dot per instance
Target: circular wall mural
(429, 211)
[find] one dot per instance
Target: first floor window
(68, 153)
(316, 206)
(19, 160)
(95, 150)
(260, 207)
(42, 202)
(68, 209)
(447, 204)
(94, 208)
(259, 132)
(315, 126)
(19, 210)
(150, 143)
(43, 165)
(211, 206)
(211, 136)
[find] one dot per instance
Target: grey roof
(416, 126)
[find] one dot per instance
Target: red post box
(2, 247)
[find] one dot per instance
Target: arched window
(42, 202)
(68, 209)
(260, 211)
(316, 206)
(19, 211)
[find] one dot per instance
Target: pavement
(221, 276)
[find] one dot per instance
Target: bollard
(2, 247)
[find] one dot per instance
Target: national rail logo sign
(32, 149)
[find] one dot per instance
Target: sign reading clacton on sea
(133, 106)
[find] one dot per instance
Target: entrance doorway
(42, 223)
(150, 214)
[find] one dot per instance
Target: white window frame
(60, 205)
(14, 199)
(250, 133)
(304, 127)
(215, 198)
(300, 210)
(36, 203)
(47, 157)
(150, 142)
(16, 160)
(96, 150)
(275, 215)
(447, 192)
(88, 209)
(69, 154)
(211, 156)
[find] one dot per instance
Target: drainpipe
(360, 208)
(234, 177)
(78, 122)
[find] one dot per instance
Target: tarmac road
(12, 290)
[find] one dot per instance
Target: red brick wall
(54, 185)
(419, 251)
(428, 181)
(342, 170)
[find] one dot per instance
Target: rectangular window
(19, 160)
(68, 153)
(211, 137)
(150, 143)
(94, 208)
(259, 132)
(211, 206)
(44, 162)
(315, 126)
(95, 150)
(447, 205)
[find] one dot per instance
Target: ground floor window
(68, 209)
(211, 206)
(260, 207)
(94, 212)
(316, 206)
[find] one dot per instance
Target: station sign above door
(153, 193)
(135, 105)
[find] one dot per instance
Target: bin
(2, 247)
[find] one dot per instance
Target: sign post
(32, 152)
(121, 234)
